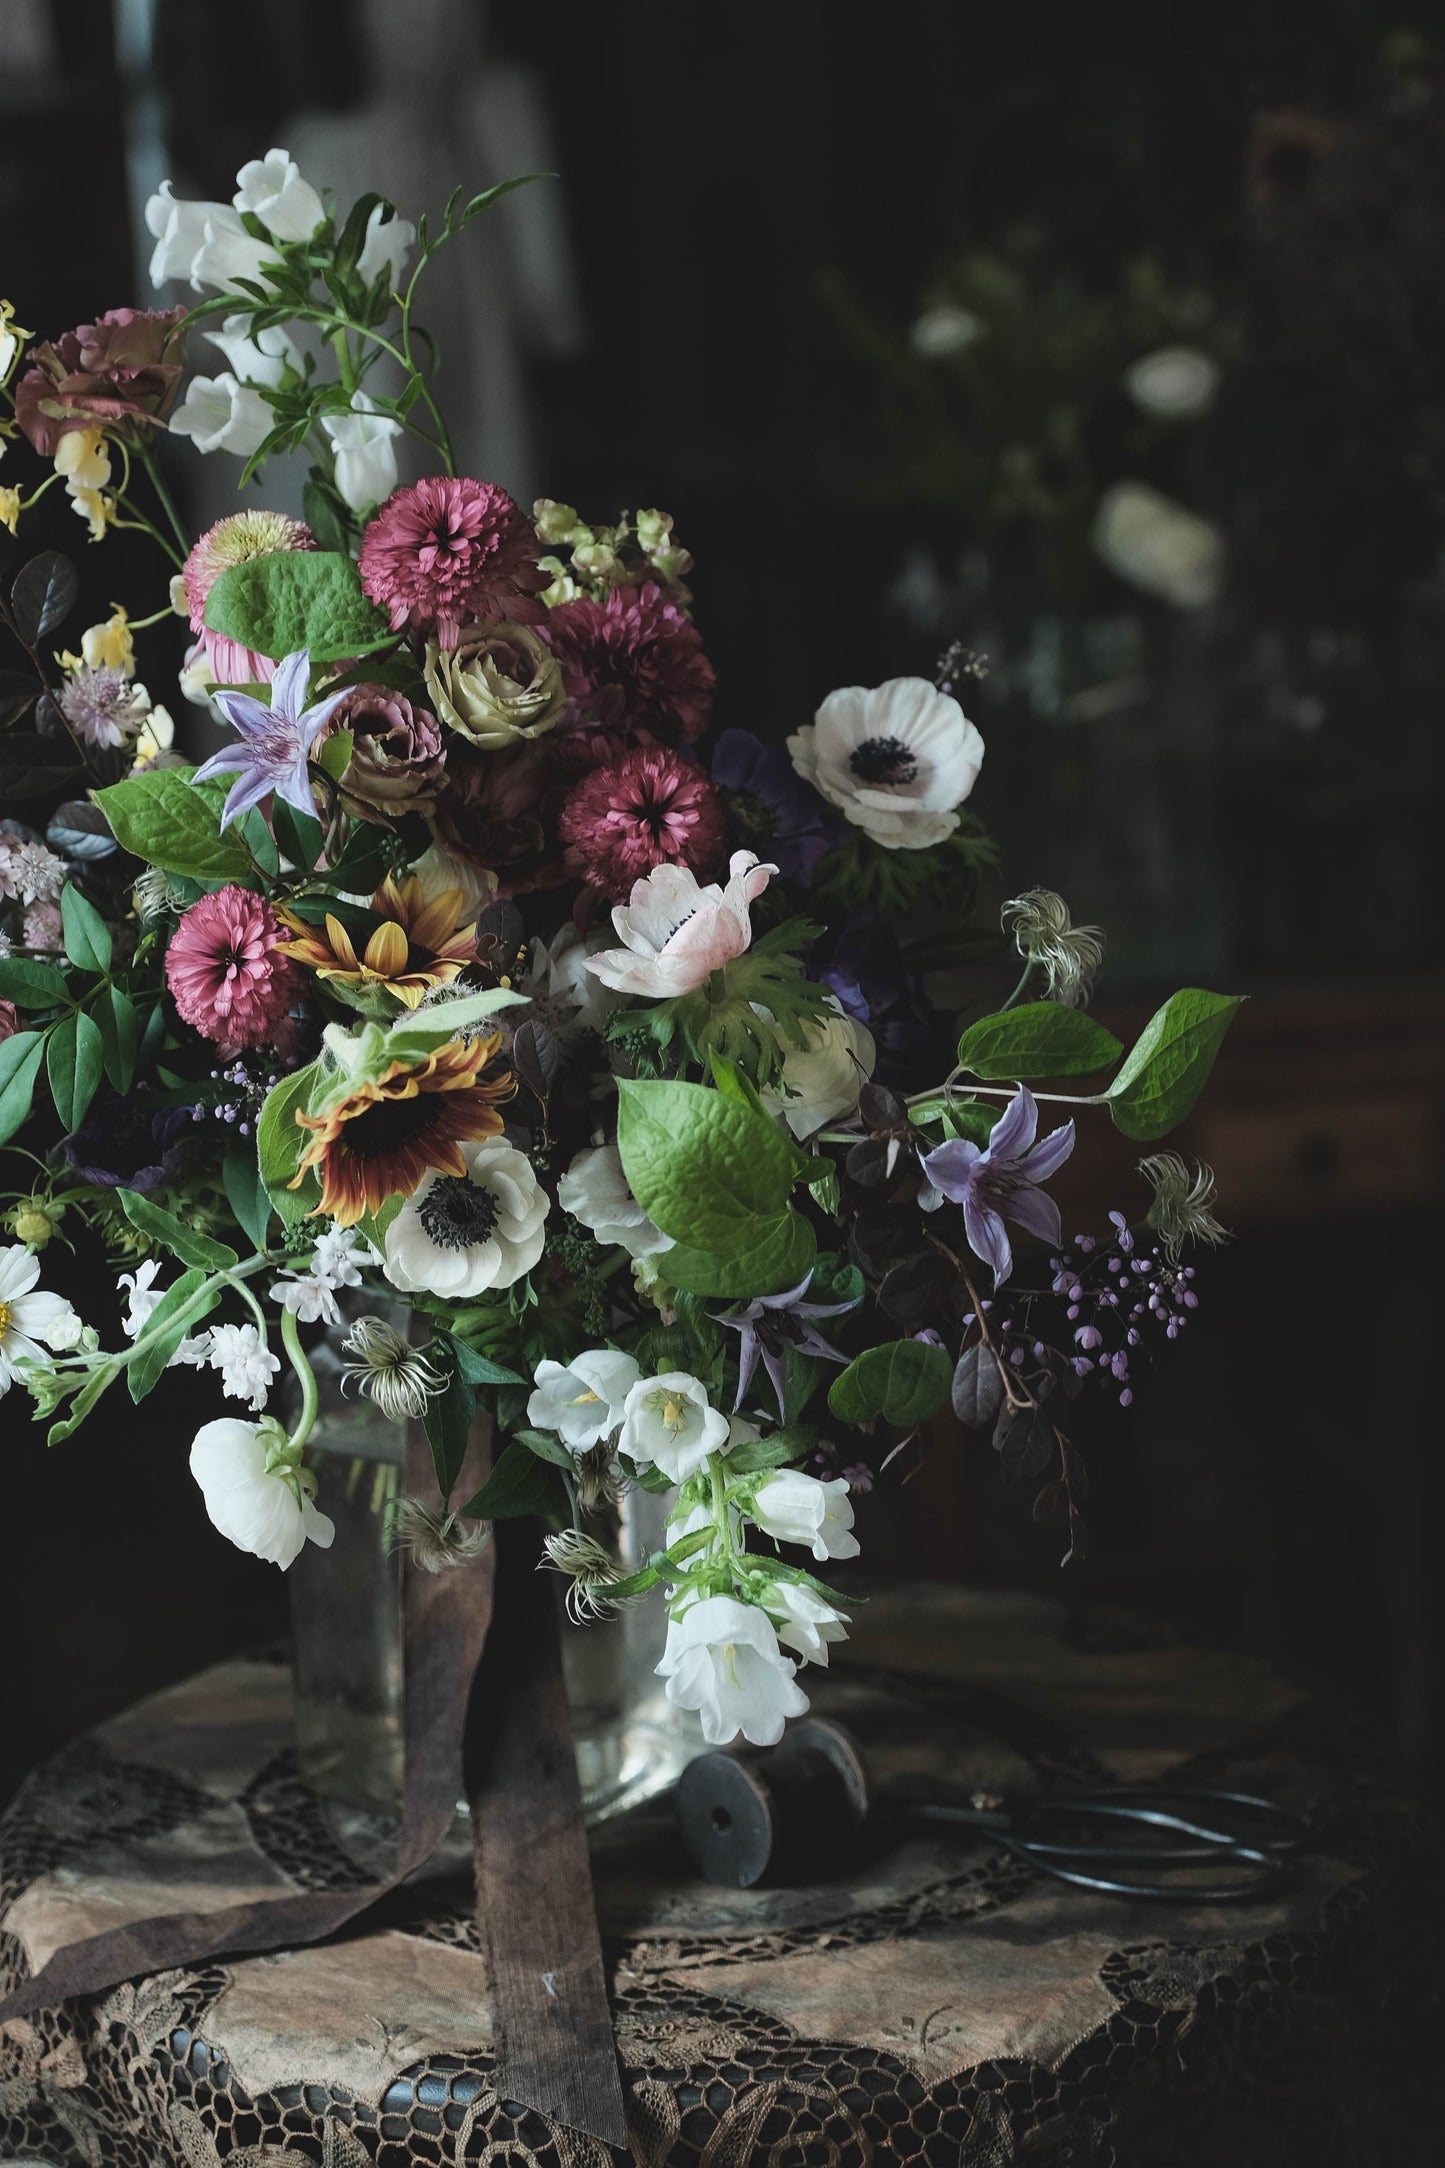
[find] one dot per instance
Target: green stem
(1024, 977)
(310, 1394)
(167, 502)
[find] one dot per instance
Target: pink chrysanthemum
(235, 541)
(445, 551)
(634, 662)
(651, 808)
(230, 979)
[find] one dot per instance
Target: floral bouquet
(463, 980)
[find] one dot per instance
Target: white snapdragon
(805, 1623)
(256, 357)
(255, 1491)
(723, 1659)
(141, 1294)
(585, 1400)
(336, 1262)
(219, 414)
(793, 1507)
(363, 442)
(670, 1423)
(594, 1190)
(245, 1363)
(271, 189)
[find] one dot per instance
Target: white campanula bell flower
(255, 1492)
(221, 415)
(385, 246)
(583, 1401)
(806, 1623)
(796, 1508)
(259, 357)
(670, 1423)
(365, 452)
(272, 189)
(722, 1659)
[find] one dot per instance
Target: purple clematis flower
(999, 1181)
(770, 1325)
(276, 741)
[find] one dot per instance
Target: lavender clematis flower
(999, 1181)
(276, 741)
(770, 1325)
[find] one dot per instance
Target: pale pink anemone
(228, 974)
(649, 809)
(236, 540)
(677, 933)
(448, 550)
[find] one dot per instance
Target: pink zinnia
(447, 550)
(236, 540)
(634, 662)
(230, 978)
(651, 808)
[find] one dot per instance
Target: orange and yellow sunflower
(417, 946)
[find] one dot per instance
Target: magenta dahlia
(634, 662)
(230, 977)
(445, 551)
(653, 807)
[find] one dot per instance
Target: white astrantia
(669, 1423)
(141, 1294)
(896, 759)
(245, 1363)
(1159, 546)
(1174, 382)
(256, 357)
(594, 1190)
(385, 246)
(363, 442)
(583, 1401)
(676, 932)
(458, 1235)
(255, 1490)
(271, 189)
(821, 1079)
(805, 1622)
(219, 414)
(723, 1659)
(793, 1507)
(27, 1313)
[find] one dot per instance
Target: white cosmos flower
(219, 414)
(256, 357)
(821, 1079)
(386, 245)
(27, 1313)
(722, 1659)
(1159, 546)
(896, 759)
(670, 1422)
(246, 1364)
(807, 1624)
(273, 190)
(460, 1234)
(365, 452)
(142, 1295)
(1174, 382)
(796, 1508)
(677, 933)
(251, 1495)
(584, 1400)
(594, 1190)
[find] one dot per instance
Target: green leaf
(163, 817)
(778, 1253)
(519, 1483)
(1042, 1038)
(704, 1167)
(20, 1058)
(960, 1117)
(246, 1192)
(30, 985)
(321, 515)
(280, 1142)
(416, 1033)
(119, 1035)
(753, 1454)
(448, 1418)
(478, 1369)
(297, 599)
(87, 936)
(546, 1446)
(1169, 1063)
(259, 840)
(173, 1235)
(142, 1373)
(74, 1060)
(298, 834)
(904, 1381)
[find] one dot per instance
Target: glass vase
(346, 1636)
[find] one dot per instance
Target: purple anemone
(770, 809)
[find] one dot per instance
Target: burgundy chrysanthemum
(230, 979)
(447, 550)
(634, 662)
(651, 808)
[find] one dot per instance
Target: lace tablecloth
(941, 2005)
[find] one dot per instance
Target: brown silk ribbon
(446, 1617)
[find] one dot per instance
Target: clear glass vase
(346, 1637)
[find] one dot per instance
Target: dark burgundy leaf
(32, 766)
(1076, 1475)
(49, 721)
(17, 696)
(882, 1110)
(535, 1057)
(916, 1288)
(867, 1164)
(977, 1387)
(79, 829)
(1078, 1539)
(1046, 1505)
(43, 595)
(500, 935)
(1025, 1446)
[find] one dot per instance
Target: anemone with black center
(885, 761)
(457, 1213)
(754, 819)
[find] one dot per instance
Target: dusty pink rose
(228, 975)
(677, 934)
(397, 763)
(122, 370)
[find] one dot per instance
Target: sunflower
(385, 1136)
(418, 944)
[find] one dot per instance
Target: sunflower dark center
(457, 1212)
(389, 1123)
(883, 760)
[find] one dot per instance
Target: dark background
(755, 203)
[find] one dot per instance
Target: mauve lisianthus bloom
(634, 662)
(236, 540)
(228, 972)
(123, 369)
(496, 684)
(770, 809)
(653, 807)
(398, 761)
(130, 1142)
(443, 551)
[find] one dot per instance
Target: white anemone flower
(27, 1314)
(460, 1234)
(251, 1494)
(896, 759)
(722, 1659)
(583, 1401)
(806, 1624)
(822, 1078)
(676, 933)
(796, 1508)
(219, 414)
(272, 189)
(670, 1422)
(594, 1190)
